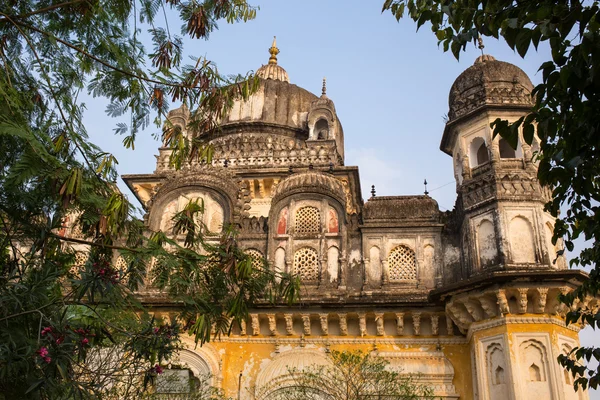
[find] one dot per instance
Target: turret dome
(489, 82)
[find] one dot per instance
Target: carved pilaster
(255, 324)
(379, 322)
(523, 300)
(272, 324)
(306, 323)
(343, 324)
(416, 318)
(542, 295)
(289, 324)
(324, 324)
(400, 324)
(502, 302)
(362, 324)
(435, 324)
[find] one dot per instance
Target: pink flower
(46, 330)
(43, 352)
(158, 369)
(156, 330)
(47, 360)
(85, 341)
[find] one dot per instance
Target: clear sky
(389, 83)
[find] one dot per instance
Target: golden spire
(274, 51)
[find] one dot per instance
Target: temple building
(466, 299)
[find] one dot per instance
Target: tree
(565, 118)
(349, 376)
(57, 314)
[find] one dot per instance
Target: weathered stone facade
(467, 299)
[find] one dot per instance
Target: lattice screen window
(121, 264)
(401, 264)
(257, 258)
(306, 264)
(308, 220)
(80, 258)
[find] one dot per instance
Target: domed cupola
(272, 70)
(489, 82)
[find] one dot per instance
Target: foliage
(349, 376)
(565, 118)
(57, 315)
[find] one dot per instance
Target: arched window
(322, 129)
(308, 220)
(401, 264)
(478, 153)
(482, 154)
(306, 264)
(506, 151)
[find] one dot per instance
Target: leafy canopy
(61, 316)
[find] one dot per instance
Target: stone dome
(274, 72)
(310, 181)
(276, 101)
(489, 82)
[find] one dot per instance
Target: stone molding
(484, 325)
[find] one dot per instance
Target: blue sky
(389, 84)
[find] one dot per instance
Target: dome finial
(324, 90)
(480, 44)
(273, 51)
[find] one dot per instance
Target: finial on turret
(372, 190)
(324, 90)
(425, 183)
(273, 51)
(480, 45)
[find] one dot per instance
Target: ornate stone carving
(289, 324)
(323, 318)
(400, 324)
(435, 324)
(343, 324)
(306, 323)
(362, 324)
(416, 318)
(272, 324)
(540, 305)
(255, 324)
(380, 324)
(502, 302)
(254, 225)
(523, 300)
